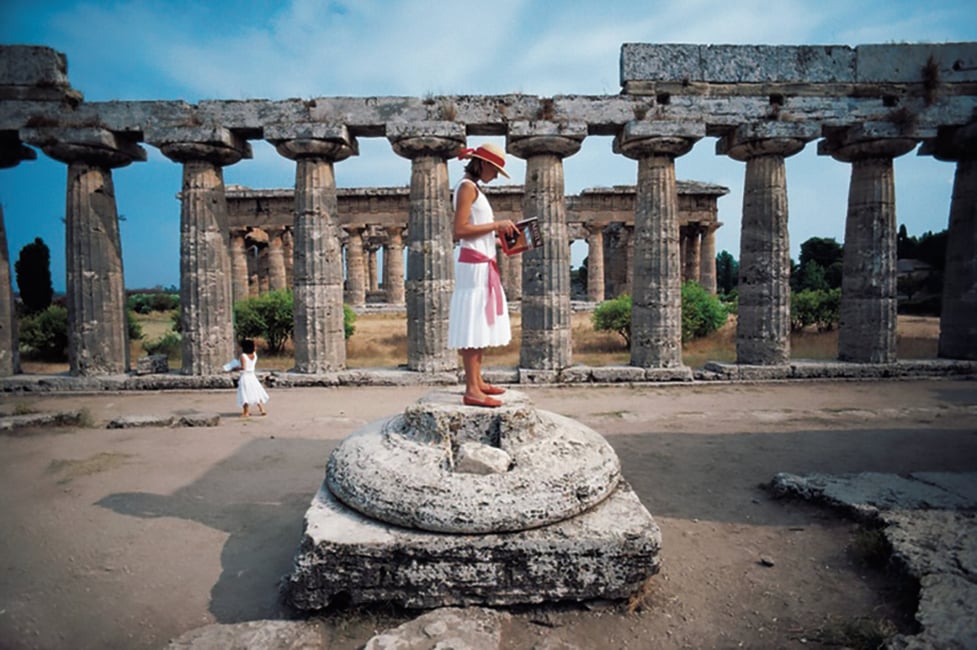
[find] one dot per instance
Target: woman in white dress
(479, 315)
(249, 389)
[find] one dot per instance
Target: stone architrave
(206, 297)
(317, 266)
(656, 277)
(763, 315)
(430, 265)
(98, 339)
(393, 266)
(355, 266)
(867, 323)
(546, 328)
(9, 342)
(958, 316)
(595, 264)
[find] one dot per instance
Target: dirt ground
(126, 538)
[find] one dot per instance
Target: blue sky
(277, 49)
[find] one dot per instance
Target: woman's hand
(506, 227)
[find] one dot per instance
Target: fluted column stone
(707, 259)
(317, 260)
(595, 264)
(239, 265)
(430, 264)
(98, 340)
(546, 327)
(958, 314)
(206, 298)
(277, 276)
(656, 276)
(393, 266)
(691, 260)
(9, 341)
(372, 269)
(355, 266)
(867, 327)
(763, 315)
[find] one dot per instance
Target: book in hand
(527, 238)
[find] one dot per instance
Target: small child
(249, 389)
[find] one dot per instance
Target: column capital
(525, 138)
(952, 144)
(866, 140)
(312, 140)
(93, 145)
(767, 139)
(426, 138)
(662, 138)
(214, 144)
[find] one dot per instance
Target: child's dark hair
(247, 346)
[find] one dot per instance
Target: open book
(528, 237)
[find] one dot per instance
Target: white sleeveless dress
(249, 389)
(467, 324)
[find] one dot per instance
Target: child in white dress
(249, 388)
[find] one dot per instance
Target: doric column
(277, 276)
(430, 265)
(355, 266)
(867, 327)
(98, 341)
(546, 328)
(9, 343)
(763, 317)
(372, 269)
(958, 316)
(317, 267)
(510, 268)
(239, 265)
(393, 266)
(288, 252)
(656, 287)
(206, 307)
(595, 263)
(707, 258)
(690, 260)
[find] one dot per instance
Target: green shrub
(702, 312)
(349, 318)
(132, 325)
(169, 344)
(268, 316)
(821, 308)
(144, 303)
(614, 316)
(45, 333)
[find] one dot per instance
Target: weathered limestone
(355, 267)
(9, 354)
(206, 299)
(763, 325)
(546, 340)
(595, 265)
(430, 265)
(239, 265)
(707, 265)
(393, 266)
(409, 514)
(958, 317)
(277, 275)
(319, 336)
(656, 285)
(98, 340)
(867, 327)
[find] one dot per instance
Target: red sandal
(486, 402)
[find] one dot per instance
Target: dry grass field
(380, 340)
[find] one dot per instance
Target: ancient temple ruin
(863, 106)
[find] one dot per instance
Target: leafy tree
(45, 333)
(33, 271)
(819, 266)
(727, 273)
(349, 318)
(268, 316)
(615, 316)
(821, 308)
(702, 312)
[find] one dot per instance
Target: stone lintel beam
(862, 141)
(331, 142)
(830, 69)
(35, 72)
(427, 138)
(529, 138)
(13, 151)
(641, 139)
(92, 145)
(766, 138)
(214, 144)
(952, 144)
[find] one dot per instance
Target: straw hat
(490, 153)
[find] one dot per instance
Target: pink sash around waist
(472, 256)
